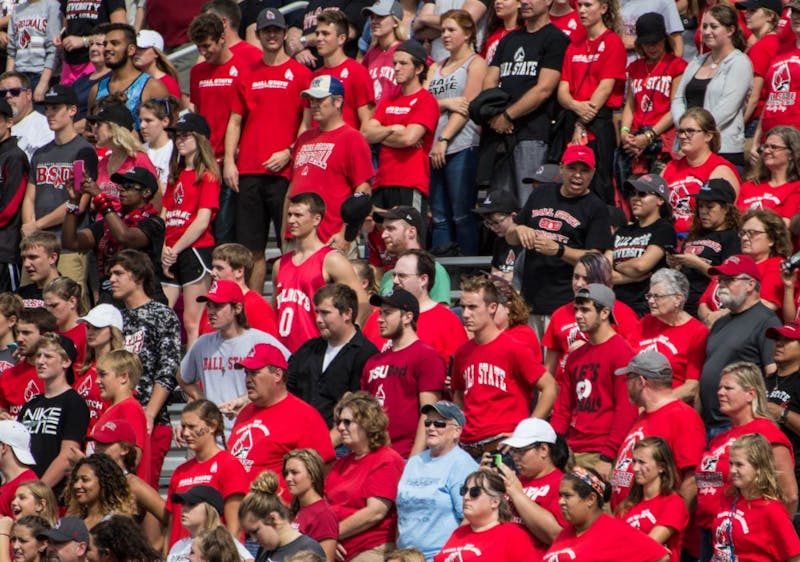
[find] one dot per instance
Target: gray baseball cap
(384, 8)
(447, 410)
(270, 17)
(600, 294)
(649, 364)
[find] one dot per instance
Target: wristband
(625, 130)
(507, 116)
(560, 251)
(73, 209)
(784, 415)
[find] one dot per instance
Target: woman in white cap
(150, 58)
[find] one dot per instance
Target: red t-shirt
(526, 336)
(771, 286)
(247, 53)
(86, 386)
(498, 380)
(258, 311)
(678, 424)
(662, 511)
(761, 55)
(407, 167)
(381, 70)
(9, 489)
(543, 491)
(571, 25)
(396, 379)
(318, 521)
(607, 539)
(212, 89)
(684, 346)
(352, 481)
(685, 180)
(78, 336)
(358, 88)
(781, 84)
(261, 436)
(714, 469)
(268, 99)
(761, 529)
(181, 202)
(132, 411)
(19, 385)
(593, 409)
(491, 42)
(784, 199)
(294, 291)
(505, 542)
(331, 164)
(171, 85)
(222, 471)
(593, 60)
(785, 34)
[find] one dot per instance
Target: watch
(443, 139)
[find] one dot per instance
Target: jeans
(225, 221)
(452, 198)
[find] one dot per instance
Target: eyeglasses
(687, 132)
(344, 421)
(640, 194)
(474, 491)
(438, 424)
(396, 275)
(726, 280)
(657, 297)
(772, 148)
(489, 222)
(750, 233)
(13, 91)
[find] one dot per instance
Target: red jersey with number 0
(593, 60)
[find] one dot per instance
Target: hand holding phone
(77, 174)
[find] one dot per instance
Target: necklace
(714, 64)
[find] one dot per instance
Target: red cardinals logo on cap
(110, 425)
(270, 15)
(213, 289)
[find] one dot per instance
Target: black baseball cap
(201, 494)
(270, 17)
(397, 298)
(406, 213)
(116, 113)
(650, 28)
(191, 123)
(716, 189)
(415, 49)
(774, 5)
(546, 173)
(67, 529)
(138, 175)
(60, 95)
(354, 210)
(498, 201)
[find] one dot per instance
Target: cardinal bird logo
(781, 79)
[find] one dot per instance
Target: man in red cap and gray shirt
(275, 422)
(738, 336)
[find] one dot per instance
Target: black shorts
(390, 196)
(193, 264)
(260, 202)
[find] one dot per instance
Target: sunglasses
(438, 424)
(131, 186)
(344, 421)
(474, 491)
(13, 91)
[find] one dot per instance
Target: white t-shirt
(160, 158)
(180, 551)
(32, 133)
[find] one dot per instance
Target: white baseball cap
(16, 436)
(147, 38)
(530, 431)
(102, 316)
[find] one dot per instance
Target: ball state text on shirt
(488, 374)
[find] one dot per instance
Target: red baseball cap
(263, 355)
(578, 153)
(738, 264)
(223, 292)
(789, 331)
(113, 431)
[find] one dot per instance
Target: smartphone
(12, 346)
(497, 459)
(77, 174)
(669, 248)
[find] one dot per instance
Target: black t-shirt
(81, 17)
(32, 295)
(51, 421)
(577, 222)
(521, 56)
(504, 255)
(713, 247)
(630, 242)
(785, 392)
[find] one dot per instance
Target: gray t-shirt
(734, 337)
(31, 34)
(211, 362)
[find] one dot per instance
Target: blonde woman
(150, 58)
(388, 31)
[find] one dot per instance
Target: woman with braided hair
(96, 488)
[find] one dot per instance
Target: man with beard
(30, 127)
(408, 375)
(124, 77)
(326, 367)
(738, 336)
(783, 388)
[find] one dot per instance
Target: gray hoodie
(31, 31)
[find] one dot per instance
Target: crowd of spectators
(620, 382)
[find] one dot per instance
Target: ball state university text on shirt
(488, 374)
(519, 66)
(218, 82)
(383, 371)
(220, 363)
(709, 479)
(781, 97)
(562, 555)
(652, 84)
(83, 10)
(53, 174)
(273, 84)
(316, 153)
(629, 247)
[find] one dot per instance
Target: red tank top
(296, 285)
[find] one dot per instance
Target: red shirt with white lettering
(498, 380)
(181, 202)
(593, 409)
(86, 386)
(358, 88)
(504, 542)
(19, 385)
(570, 24)
(684, 346)
(685, 180)
(132, 411)
(212, 89)
(268, 99)
(784, 199)
(331, 164)
(223, 471)
(678, 424)
(543, 491)
(294, 290)
(592, 60)
(714, 468)
(381, 70)
(258, 311)
(771, 286)
(782, 83)
(607, 539)
(662, 511)
(407, 167)
(396, 379)
(761, 529)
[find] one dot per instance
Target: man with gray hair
(738, 336)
